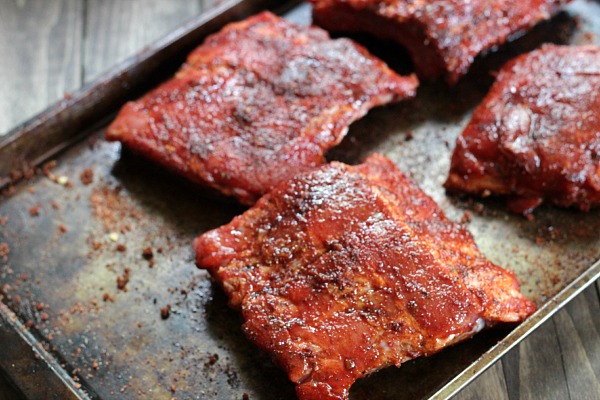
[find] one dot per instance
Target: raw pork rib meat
(536, 135)
(442, 36)
(257, 103)
(345, 270)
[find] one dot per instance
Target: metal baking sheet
(74, 231)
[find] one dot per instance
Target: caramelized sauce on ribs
(443, 37)
(345, 270)
(257, 103)
(536, 135)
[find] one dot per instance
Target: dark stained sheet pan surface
(69, 243)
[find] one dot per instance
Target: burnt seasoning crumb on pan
(4, 251)
(87, 176)
(165, 311)
(123, 280)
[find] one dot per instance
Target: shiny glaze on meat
(536, 135)
(443, 37)
(345, 270)
(257, 103)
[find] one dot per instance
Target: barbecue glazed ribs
(536, 135)
(345, 270)
(257, 103)
(442, 36)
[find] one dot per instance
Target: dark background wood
(51, 47)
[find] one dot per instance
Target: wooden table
(50, 47)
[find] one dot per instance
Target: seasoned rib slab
(257, 103)
(536, 135)
(443, 37)
(345, 270)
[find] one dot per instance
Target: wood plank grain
(117, 29)
(40, 44)
(561, 360)
(491, 385)
(534, 370)
(578, 330)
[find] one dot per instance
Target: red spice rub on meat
(443, 37)
(257, 103)
(345, 270)
(536, 135)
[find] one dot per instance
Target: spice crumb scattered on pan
(466, 217)
(212, 360)
(4, 251)
(478, 208)
(123, 280)
(121, 248)
(147, 253)
(107, 297)
(34, 211)
(165, 311)
(47, 167)
(87, 176)
(47, 171)
(3, 220)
